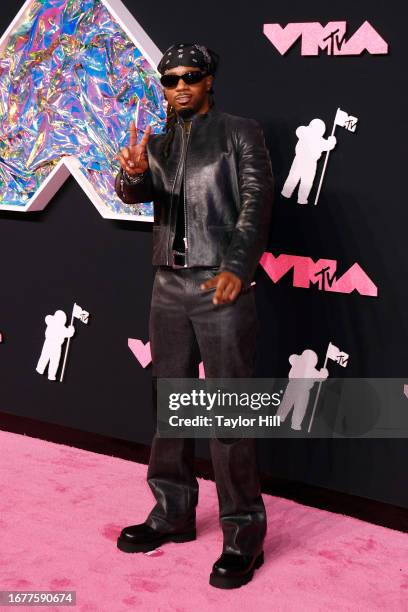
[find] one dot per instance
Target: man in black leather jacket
(210, 179)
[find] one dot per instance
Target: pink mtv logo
(322, 273)
(332, 38)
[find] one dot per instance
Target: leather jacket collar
(198, 116)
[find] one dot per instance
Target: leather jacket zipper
(184, 197)
(182, 158)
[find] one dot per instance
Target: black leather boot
(231, 571)
(142, 538)
(175, 487)
(242, 511)
(241, 508)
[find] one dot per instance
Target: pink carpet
(61, 510)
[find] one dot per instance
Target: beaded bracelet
(133, 180)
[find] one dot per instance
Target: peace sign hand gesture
(133, 159)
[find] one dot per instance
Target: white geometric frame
(69, 164)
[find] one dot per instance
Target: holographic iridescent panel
(70, 81)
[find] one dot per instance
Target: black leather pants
(185, 327)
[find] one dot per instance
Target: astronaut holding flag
(308, 151)
(55, 335)
(78, 313)
(310, 146)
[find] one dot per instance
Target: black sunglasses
(190, 78)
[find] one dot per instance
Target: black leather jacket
(228, 192)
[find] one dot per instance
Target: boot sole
(131, 547)
(233, 582)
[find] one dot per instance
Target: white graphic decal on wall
(309, 148)
(302, 377)
(308, 151)
(55, 335)
(332, 38)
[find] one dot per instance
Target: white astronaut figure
(55, 335)
(309, 149)
(302, 377)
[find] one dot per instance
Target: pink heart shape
(141, 351)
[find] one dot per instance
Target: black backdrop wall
(68, 252)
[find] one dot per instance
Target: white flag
(334, 353)
(81, 314)
(345, 121)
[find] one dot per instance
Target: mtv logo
(351, 124)
(332, 38)
(308, 273)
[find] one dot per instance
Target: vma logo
(321, 273)
(331, 38)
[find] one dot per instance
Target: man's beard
(187, 113)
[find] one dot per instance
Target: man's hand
(227, 284)
(133, 159)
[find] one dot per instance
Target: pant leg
(226, 335)
(175, 354)
(241, 508)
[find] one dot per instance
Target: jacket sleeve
(134, 194)
(256, 187)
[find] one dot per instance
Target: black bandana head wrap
(189, 54)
